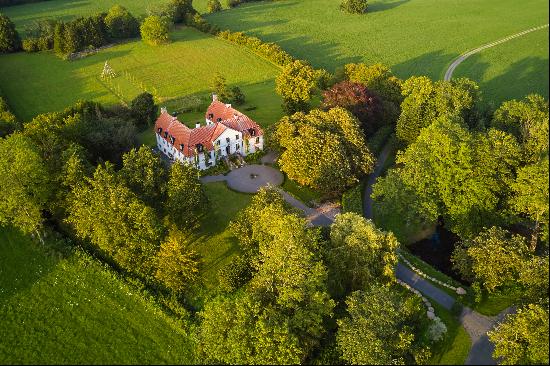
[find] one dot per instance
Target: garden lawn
(213, 240)
(512, 69)
(413, 37)
(454, 348)
(41, 82)
(74, 311)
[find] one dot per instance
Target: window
(252, 132)
(236, 137)
(211, 116)
(218, 142)
(165, 134)
(227, 139)
(181, 147)
(237, 147)
(199, 148)
(219, 119)
(159, 130)
(257, 140)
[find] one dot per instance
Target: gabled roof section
(219, 112)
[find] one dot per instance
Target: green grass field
(454, 348)
(74, 311)
(65, 10)
(41, 82)
(512, 69)
(413, 37)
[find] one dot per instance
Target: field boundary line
(464, 56)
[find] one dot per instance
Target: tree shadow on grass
(526, 76)
(22, 262)
(431, 64)
(385, 5)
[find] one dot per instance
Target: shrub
(30, 45)
(213, 6)
(436, 330)
(352, 200)
(154, 30)
(143, 109)
(354, 6)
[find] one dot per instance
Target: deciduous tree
(296, 83)
(154, 30)
(359, 254)
(9, 38)
(121, 23)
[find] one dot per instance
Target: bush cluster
(352, 200)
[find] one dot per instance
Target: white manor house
(227, 131)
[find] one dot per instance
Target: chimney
(197, 125)
(214, 97)
(163, 110)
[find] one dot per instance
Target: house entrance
(227, 149)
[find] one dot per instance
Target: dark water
(437, 251)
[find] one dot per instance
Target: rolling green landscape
(135, 258)
(417, 37)
(74, 310)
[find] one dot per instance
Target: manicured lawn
(74, 311)
(454, 348)
(304, 194)
(214, 241)
(418, 37)
(512, 69)
(41, 82)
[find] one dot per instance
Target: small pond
(437, 251)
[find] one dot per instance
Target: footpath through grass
(75, 311)
(41, 82)
(512, 69)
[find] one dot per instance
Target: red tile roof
(232, 118)
(205, 135)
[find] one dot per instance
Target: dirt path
(464, 56)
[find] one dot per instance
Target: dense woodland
(296, 294)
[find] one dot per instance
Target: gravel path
(464, 56)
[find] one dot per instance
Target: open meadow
(74, 311)
(41, 82)
(418, 37)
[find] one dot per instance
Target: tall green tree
(461, 175)
(146, 175)
(9, 38)
(377, 78)
(154, 30)
(527, 120)
(325, 150)
(112, 218)
(522, 339)
(218, 85)
(383, 328)
(144, 110)
(278, 317)
(177, 266)
(494, 258)
(25, 185)
(359, 254)
(186, 201)
(121, 23)
(425, 101)
(296, 84)
(531, 197)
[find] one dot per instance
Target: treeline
(18, 2)
(66, 38)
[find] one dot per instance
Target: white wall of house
(255, 144)
(230, 141)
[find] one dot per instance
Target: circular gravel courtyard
(250, 178)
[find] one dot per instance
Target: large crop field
(41, 82)
(74, 311)
(414, 37)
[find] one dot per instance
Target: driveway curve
(464, 56)
(250, 178)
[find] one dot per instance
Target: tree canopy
(154, 30)
(325, 150)
(9, 38)
(296, 84)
